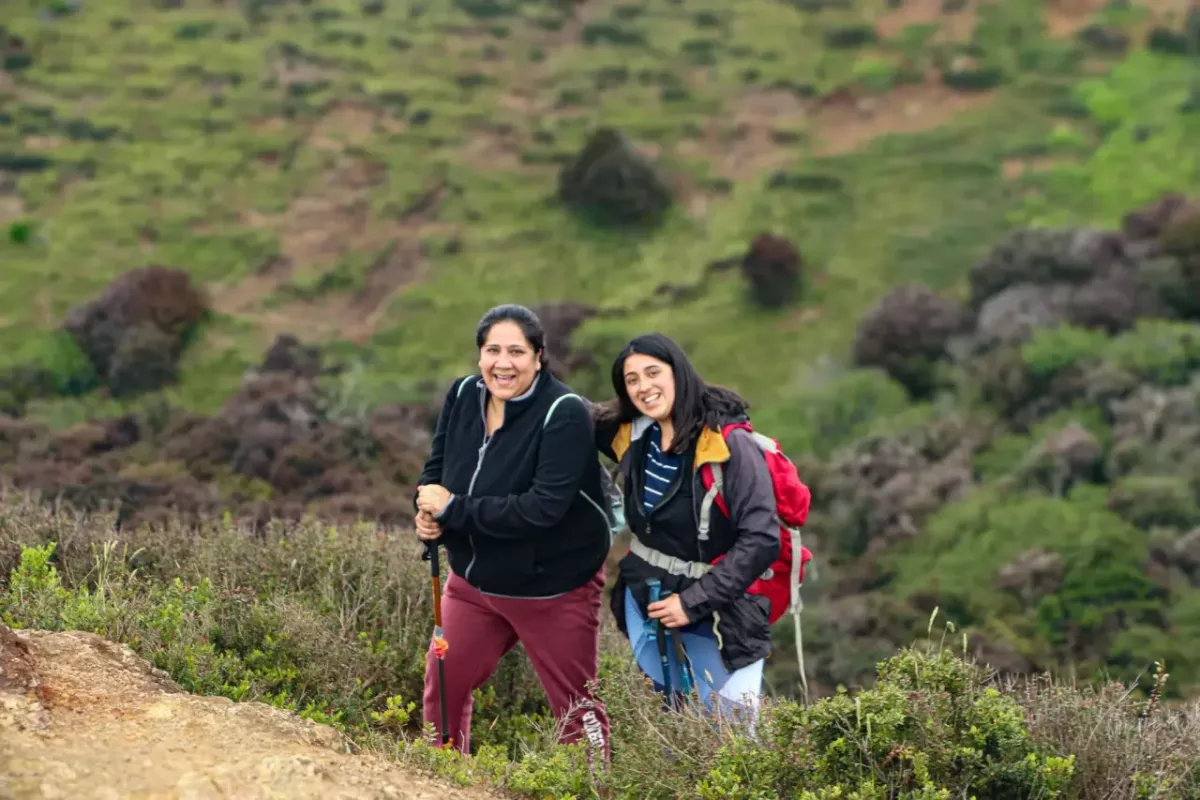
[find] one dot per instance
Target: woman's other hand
(432, 498)
(669, 612)
(427, 529)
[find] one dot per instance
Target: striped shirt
(660, 469)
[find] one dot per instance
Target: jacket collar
(513, 407)
(710, 446)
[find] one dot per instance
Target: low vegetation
(333, 623)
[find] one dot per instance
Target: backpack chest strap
(672, 564)
(675, 565)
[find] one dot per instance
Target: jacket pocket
(503, 567)
(745, 628)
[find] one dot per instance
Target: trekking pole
(685, 665)
(440, 645)
(660, 635)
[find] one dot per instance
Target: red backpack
(782, 581)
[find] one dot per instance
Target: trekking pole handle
(435, 571)
(655, 587)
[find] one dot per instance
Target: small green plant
(21, 231)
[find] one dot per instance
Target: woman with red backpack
(663, 427)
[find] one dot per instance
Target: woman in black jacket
(512, 489)
(663, 426)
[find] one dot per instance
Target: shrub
(1051, 350)
(771, 268)
(613, 183)
(964, 545)
(333, 623)
(907, 333)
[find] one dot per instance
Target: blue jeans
(738, 691)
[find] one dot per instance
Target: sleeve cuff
(695, 602)
(441, 515)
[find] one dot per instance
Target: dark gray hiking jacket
(749, 539)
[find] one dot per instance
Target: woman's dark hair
(697, 404)
(525, 319)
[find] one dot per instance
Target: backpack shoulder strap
(462, 384)
(558, 400)
(706, 504)
(715, 493)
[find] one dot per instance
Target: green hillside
(372, 176)
(378, 174)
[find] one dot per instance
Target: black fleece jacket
(526, 518)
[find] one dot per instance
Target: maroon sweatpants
(560, 636)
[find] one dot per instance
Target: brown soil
(743, 144)
(245, 296)
(326, 223)
(83, 718)
(848, 123)
(1065, 17)
(953, 26)
(753, 139)
(41, 143)
(488, 149)
(348, 124)
(11, 209)
(1016, 167)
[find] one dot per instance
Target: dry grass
(1124, 747)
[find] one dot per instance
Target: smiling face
(508, 361)
(651, 386)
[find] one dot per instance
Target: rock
(771, 267)
(110, 725)
(612, 182)
(907, 332)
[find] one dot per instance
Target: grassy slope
(217, 126)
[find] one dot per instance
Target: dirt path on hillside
(83, 719)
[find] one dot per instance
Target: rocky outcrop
(83, 718)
